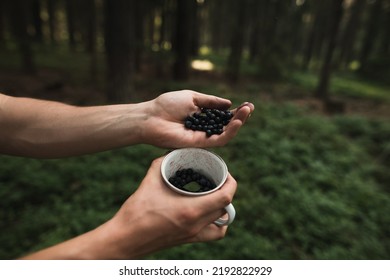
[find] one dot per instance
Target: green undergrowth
(309, 187)
(343, 85)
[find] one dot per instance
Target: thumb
(210, 101)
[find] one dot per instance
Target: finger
(156, 164)
(209, 101)
(154, 169)
(220, 140)
(240, 115)
(243, 112)
(210, 217)
(210, 232)
(219, 199)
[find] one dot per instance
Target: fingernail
(242, 105)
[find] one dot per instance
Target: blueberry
(202, 115)
(208, 120)
(188, 124)
(184, 177)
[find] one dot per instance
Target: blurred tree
(120, 46)
(385, 44)
(195, 28)
(272, 56)
(18, 18)
(37, 21)
(237, 40)
(335, 14)
(371, 32)
(219, 24)
(316, 32)
(350, 32)
(166, 12)
(293, 28)
(52, 19)
(2, 23)
(91, 35)
(70, 20)
(140, 12)
(182, 40)
(254, 38)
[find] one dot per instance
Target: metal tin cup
(201, 161)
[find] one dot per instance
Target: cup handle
(231, 214)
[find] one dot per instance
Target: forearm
(48, 129)
(112, 240)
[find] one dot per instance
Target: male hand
(156, 217)
(153, 218)
(165, 126)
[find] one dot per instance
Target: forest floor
(56, 85)
(318, 190)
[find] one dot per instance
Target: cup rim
(170, 154)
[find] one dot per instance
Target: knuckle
(187, 223)
(156, 162)
(189, 215)
(221, 234)
(226, 198)
(191, 231)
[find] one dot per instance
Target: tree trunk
(18, 19)
(182, 40)
(335, 13)
(119, 43)
(91, 37)
(51, 10)
(314, 34)
(2, 22)
(370, 37)
(237, 43)
(163, 32)
(218, 20)
(194, 28)
(254, 32)
(385, 43)
(37, 21)
(70, 18)
(139, 14)
(349, 36)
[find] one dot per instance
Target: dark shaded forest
(312, 163)
(124, 41)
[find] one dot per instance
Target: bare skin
(46, 129)
(152, 218)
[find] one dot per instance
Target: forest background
(312, 163)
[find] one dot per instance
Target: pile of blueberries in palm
(210, 121)
(183, 177)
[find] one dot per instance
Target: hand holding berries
(166, 123)
(211, 121)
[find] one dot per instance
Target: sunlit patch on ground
(202, 65)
